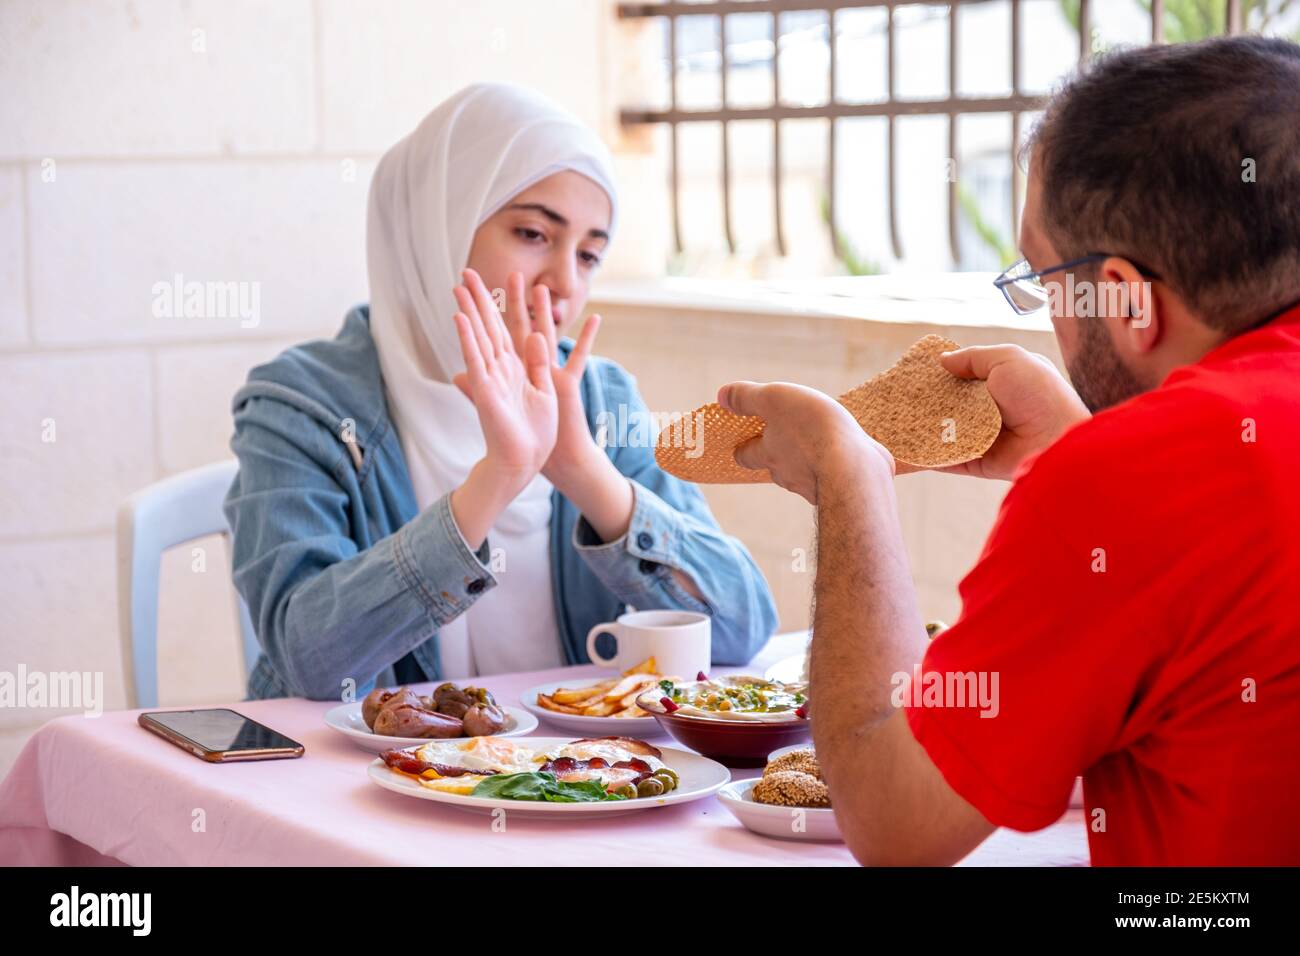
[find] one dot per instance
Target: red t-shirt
(1139, 602)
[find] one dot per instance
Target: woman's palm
(519, 419)
(514, 394)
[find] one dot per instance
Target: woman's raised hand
(575, 449)
(578, 468)
(510, 384)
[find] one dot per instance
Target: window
(868, 136)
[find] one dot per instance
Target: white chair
(166, 514)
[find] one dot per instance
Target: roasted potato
(483, 720)
(405, 720)
(451, 700)
(450, 711)
(379, 698)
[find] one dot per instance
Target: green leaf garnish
(541, 786)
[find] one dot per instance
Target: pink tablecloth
(105, 791)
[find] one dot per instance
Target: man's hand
(807, 435)
(1036, 402)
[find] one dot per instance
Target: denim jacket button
(645, 541)
(476, 586)
(648, 567)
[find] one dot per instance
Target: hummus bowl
(737, 720)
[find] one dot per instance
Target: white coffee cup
(680, 642)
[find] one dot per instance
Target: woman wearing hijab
(422, 496)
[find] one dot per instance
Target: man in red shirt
(1133, 616)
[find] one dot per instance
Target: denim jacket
(344, 576)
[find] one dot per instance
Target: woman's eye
(590, 258)
(530, 235)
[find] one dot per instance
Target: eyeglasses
(1024, 289)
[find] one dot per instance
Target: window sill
(959, 299)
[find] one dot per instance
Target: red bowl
(736, 743)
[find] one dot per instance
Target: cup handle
(595, 632)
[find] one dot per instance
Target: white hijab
(430, 193)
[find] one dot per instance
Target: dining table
(102, 790)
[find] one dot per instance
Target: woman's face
(555, 233)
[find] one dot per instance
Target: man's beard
(1097, 373)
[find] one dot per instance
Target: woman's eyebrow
(556, 218)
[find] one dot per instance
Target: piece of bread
(925, 416)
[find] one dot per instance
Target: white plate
(698, 777)
(587, 726)
(347, 720)
(788, 670)
(783, 823)
(782, 751)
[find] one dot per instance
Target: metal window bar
(953, 105)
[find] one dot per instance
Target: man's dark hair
(1185, 158)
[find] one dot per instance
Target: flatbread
(711, 457)
(925, 416)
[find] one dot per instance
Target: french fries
(615, 697)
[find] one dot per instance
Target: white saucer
(783, 823)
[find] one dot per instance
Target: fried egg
(463, 785)
(611, 751)
(484, 757)
(480, 755)
(611, 777)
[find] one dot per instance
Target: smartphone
(220, 735)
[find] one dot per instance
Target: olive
(668, 779)
(627, 790)
(650, 787)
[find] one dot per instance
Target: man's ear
(1130, 302)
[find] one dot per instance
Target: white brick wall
(388, 62)
(13, 285)
(78, 432)
(103, 235)
(155, 77)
